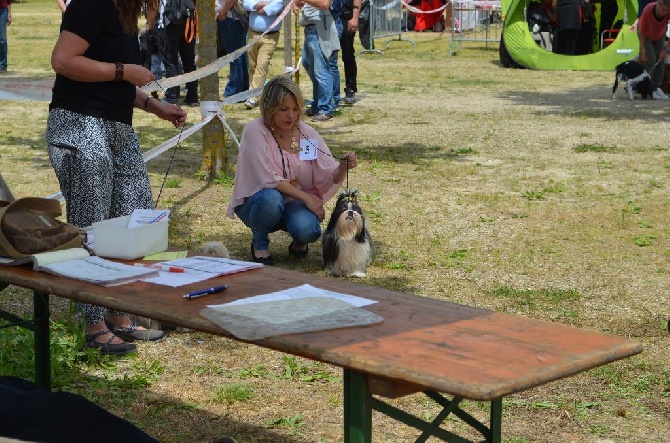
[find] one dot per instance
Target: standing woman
(569, 14)
(651, 28)
(93, 148)
(278, 187)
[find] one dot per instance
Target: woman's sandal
(298, 253)
(264, 260)
(132, 333)
(109, 348)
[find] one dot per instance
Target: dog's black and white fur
(346, 242)
(636, 77)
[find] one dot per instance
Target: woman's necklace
(295, 146)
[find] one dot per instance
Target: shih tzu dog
(346, 242)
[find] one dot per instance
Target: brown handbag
(28, 226)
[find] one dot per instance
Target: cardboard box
(114, 239)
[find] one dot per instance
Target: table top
(469, 352)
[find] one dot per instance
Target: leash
(326, 153)
(174, 153)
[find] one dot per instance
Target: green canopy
(525, 51)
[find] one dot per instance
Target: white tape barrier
(37, 90)
(40, 90)
(411, 8)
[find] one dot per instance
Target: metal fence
(385, 20)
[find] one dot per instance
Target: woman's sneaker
(250, 104)
(659, 95)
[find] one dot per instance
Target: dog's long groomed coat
(346, 242)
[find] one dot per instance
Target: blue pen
(200, 293)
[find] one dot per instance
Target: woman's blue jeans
(266, 212)
(318, 67)
(3, 39)
(234, 36)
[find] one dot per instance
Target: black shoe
(350, 98)
(132, 333)
(264, 260)
(154, 94)
(298, 253)
(192, 103)
(311, 112)
(108, 348)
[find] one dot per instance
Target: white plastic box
(114, 239)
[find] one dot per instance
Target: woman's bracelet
(118, 72)
(146, 103)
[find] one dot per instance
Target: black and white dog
(346, 242)
(636, 77)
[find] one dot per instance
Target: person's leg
(187, 56)
(308, 64)
(322, 78)
(350, 67)
(174, 34)
(3, 39)
(234, 37)
(265, 50)
(334, 68)
(81, 156)
(301, 224)
(262, 213)
(656, 67)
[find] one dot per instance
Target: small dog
(636, 77)
(346, 242)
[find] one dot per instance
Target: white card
(307, 149)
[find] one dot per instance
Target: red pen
(166, 268)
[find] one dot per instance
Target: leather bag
(28, 226)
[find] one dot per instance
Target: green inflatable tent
(523, 49)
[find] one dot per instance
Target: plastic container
(114, 239)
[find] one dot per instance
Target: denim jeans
(3, 39)
(266, 212)
(318, 68)
(332, 65)
(234, 37)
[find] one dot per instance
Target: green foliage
(235, 392)
(308, 373)
(537, 298)
(580, 149)
(291, 422)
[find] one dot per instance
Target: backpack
(28, 226)
(178, 11)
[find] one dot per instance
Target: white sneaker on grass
(659, 95)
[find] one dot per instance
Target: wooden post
(214, 152)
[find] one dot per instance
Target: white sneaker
(659, 95)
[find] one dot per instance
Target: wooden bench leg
(357, 408)
(41, 316)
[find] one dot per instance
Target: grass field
(527, 192)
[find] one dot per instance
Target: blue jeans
(266, 212)
(332, 66)
(318, 68)
(234, 37)
(3, 39)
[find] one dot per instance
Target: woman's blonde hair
(274, 94)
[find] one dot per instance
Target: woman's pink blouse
(259, 165)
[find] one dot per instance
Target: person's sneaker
(250, 104)
(659, 95)
(321, 118)
(350, 98)
(310, 112)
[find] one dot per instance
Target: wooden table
(423, 345)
